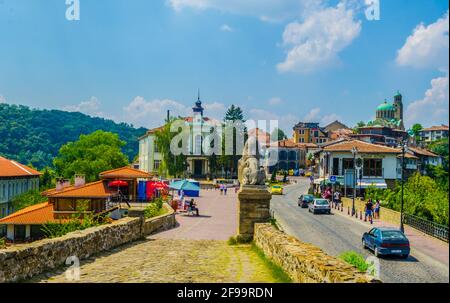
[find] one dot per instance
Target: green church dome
(385, 107)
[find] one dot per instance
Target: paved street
(337, 233)
(194, 251)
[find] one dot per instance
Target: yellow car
(277, 190)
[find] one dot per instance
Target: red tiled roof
(97, 189)
(32, 215)
(10, 168)
(125, 172)
(436, 128)
(423, 152)
(363, 147)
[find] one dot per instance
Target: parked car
(386, 241)
(304, 200)
(319, 206)
(276, 190)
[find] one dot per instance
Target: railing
(430, 228)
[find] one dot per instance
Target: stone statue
(249, 171)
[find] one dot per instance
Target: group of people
(372, 211)
(223, 189)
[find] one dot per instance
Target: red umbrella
(118, 183)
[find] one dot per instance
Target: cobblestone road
(194, 251)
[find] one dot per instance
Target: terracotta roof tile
(436, 128)
(363, 147)
(10, 168)
(422, 152)
(33, 215)
(97, 189)
(125, 172)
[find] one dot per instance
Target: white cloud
(152, 113)
(285, 122)
(317, 41)
(89, 107)
(313, 115)
(327, 119)
(226, 28)
(433, 108)
(268, 10)
(275, 101)
(427, 46)
(2, 99)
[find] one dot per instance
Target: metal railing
(430, 228)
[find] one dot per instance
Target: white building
(380, 166)
(434, 133)
(150, 158)
(15, 179)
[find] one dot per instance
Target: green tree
(236, 115)
(416, 128)
(441, 148)
(173, 165)
(26, 199)
(46, 179)
(278, 134)
(90, 155)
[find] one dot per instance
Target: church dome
(385, 107)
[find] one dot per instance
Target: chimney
(59, 183)
(66, 183)
(80, 180)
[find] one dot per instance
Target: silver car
(320, 206)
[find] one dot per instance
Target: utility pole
(402, 228)
(354, 152)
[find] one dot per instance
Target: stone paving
(195, 251)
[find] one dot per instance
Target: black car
(304, 200)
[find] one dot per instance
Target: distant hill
(33, 136)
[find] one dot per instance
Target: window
(347, 164)
(156, 164)
(156, 149)
(316, 133)
(198, 145)
(373, 168)
(336, 166)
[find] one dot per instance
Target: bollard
(360, 215)
(348, 210)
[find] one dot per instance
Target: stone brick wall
(21, 262)
(305, 263)
(386, 214)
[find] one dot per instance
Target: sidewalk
(419, 241)
(218, 218)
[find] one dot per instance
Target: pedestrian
(194, 207)
(377, 210)
(225, 188)
(221, 189)
(368, 211)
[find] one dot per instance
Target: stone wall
(305, 263)
(21, 262)
(386, 214)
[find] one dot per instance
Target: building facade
(390, 114)
(198, 165)
(15, 179)
(309, 132)
(434, 133)
(379, 165)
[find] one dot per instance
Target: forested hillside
(35, 136)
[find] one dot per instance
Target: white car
(320, 206)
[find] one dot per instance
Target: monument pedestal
(254, 207)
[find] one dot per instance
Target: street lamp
(403, 169)
(354, 153)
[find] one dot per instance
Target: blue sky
(291, 60)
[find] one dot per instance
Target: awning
(184, 185)
(372, 183)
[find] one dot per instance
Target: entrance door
(198, 167)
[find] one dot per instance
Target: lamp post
(354, 153)
(403, 169)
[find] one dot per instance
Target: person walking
(377, 210)
(368, 211)
(225, 188)
(221, 189)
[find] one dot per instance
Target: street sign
(333, 179)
